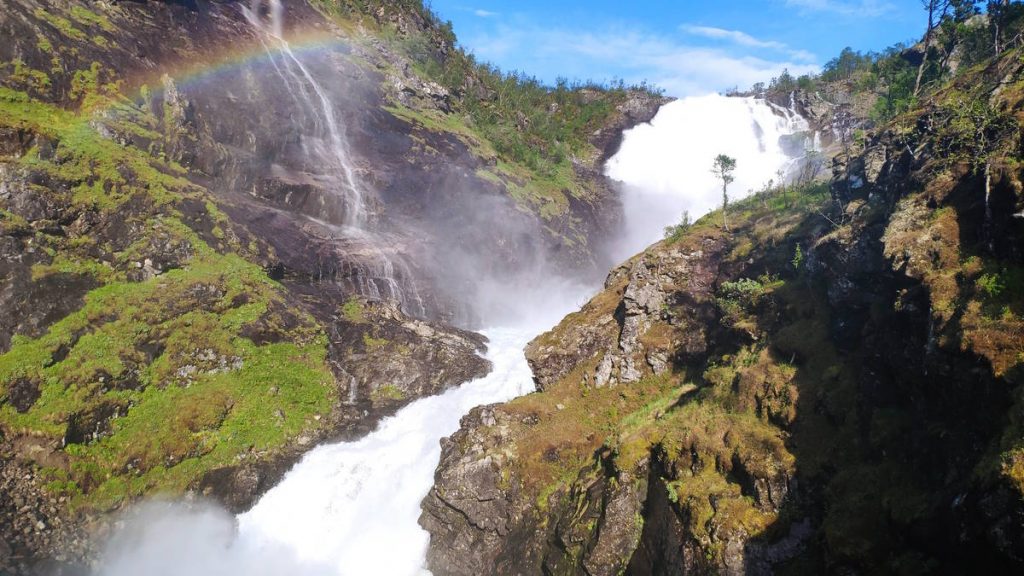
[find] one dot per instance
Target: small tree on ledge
(723, 168)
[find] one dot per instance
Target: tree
(977, 133)
(723, 168)
(936, 10)
(1005, 19)
(684, 224)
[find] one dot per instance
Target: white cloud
(485, 13)
(848, 7)
(743, 39)
(634, 55)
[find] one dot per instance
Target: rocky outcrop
(34, 520)
(498, 507)
(184, 306)
(827, 388)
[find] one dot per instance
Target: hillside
(183, 304)
(833, 385)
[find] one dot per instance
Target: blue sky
(685, 47)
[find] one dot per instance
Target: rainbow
(204, 71)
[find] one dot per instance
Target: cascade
(329, 150)
(665, 166)
(364, 266)
(352, 507)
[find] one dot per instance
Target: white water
(352, 508)
(346, 509)
(666, 165)
(329, 162)
(363, 519)
(330, 149)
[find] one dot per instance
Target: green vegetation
(887, 83)
(29, 79)
(534, 130)
(87, 17)
(62, 24)
(354, 311)
(386, 394)
(723, 169)
(151, 383)
(371, 342)
(675, 231)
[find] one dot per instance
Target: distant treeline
(532, 123)
(960, 34)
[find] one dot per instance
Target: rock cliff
(833, 385)
(184, 307)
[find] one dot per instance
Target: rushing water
(351, 508)
(665, 165)
(372, 271)
(363, 518)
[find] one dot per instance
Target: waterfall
(330, 149)
(366, 267)
(351, 508)
(665, 166)
(363, 517)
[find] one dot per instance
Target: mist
(351, 508)
(193, 539)
(664, 167)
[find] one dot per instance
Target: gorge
(301, 287)
(352, 508)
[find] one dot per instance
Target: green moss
(86, 17)
(102, 173)
(11, 224)
(372, 343)
(158, 367)
(44, 44)
(69, 264)
(201, 403)
(440, 123)
(387, 393)
(353, 310)
(62, 24)
(29, 78)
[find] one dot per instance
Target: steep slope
(184, 305)
(833, 385)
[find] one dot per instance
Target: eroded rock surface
(832, 388)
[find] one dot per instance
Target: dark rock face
(857, 414)
(469, 495)
(34, 520)
(208, 160)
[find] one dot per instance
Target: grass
(61, 24)
(354, 311)
(387, 393)
(86, 17)
(203, 366)
(150, 384)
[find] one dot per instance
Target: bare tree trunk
(995, 39)
(986, 229)
(927, 44)
(725, 208)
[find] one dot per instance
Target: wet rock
(91, 425)
(22, 394)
